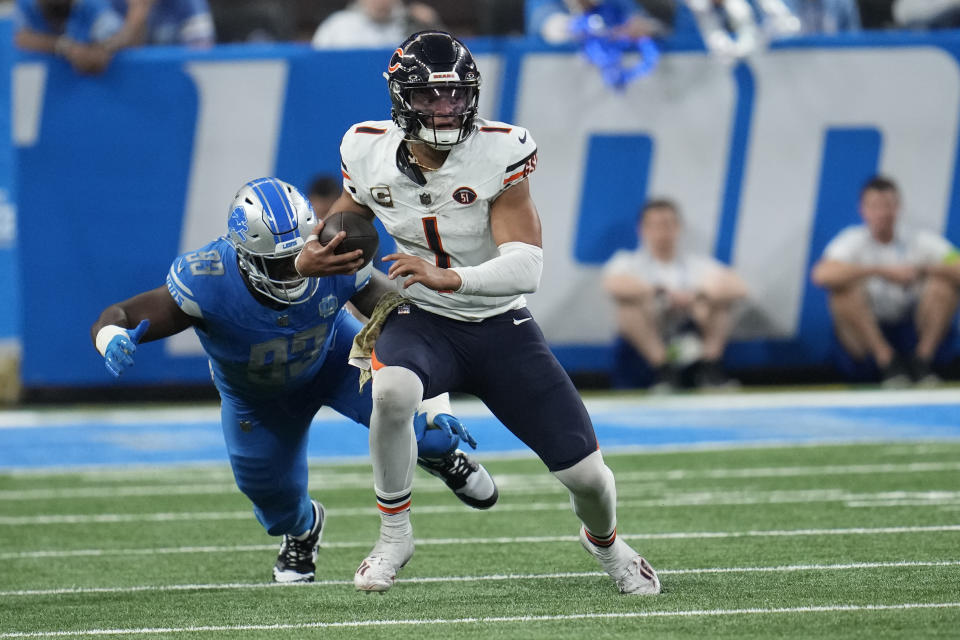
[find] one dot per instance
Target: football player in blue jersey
(278, 346)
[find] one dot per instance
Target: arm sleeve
(516, 270)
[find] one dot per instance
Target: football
(361, 234)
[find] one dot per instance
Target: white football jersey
(442, 216)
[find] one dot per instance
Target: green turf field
(798, 542)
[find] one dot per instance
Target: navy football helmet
(434, 86)
(268, 224)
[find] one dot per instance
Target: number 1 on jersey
(433, 241)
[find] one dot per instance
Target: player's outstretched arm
(151, 315)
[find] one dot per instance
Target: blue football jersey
(256, 350)
(173, 22)
(89, 21)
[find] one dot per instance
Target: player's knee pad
(396, 391)
(589, 476)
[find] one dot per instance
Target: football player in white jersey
(451, 189)
(277, 344)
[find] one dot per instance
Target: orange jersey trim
(345, 174)
(518, 174)
(375, 363)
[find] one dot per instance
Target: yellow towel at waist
(365, 340)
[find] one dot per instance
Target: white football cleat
(632, 573)
(468, 479)
(378, 571)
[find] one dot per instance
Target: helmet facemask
(275, 276)
(440, 115)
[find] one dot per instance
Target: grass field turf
(793, 542)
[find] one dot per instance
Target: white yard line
(678, 535)
(662, 500)
(687, 613)
(479, 578)
(516, 483)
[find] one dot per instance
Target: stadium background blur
(103, 180)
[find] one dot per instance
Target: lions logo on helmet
(268, 223)
(433, 68)
(238, 224)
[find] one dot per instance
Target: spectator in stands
(323, 191)
(927, 14)
(166, 22)
(876, 14)
(893, 290)
(674, 308)
(84, 32)
(733, 29)
(374, 23)
(826, 16)
(552, 19)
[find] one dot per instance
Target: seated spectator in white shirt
(674, 308)
(893, 290)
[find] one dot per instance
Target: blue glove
(446, 421)
(118, 356)
(443, 438)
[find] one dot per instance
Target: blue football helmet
(268, 224)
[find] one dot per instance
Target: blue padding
(614, 187)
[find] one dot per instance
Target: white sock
(395, 525)
(593, 495)
(393, 446)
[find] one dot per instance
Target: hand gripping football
(361, 234)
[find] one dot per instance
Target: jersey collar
(412, 171)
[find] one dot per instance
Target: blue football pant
(267, 438)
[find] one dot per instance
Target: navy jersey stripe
(520, 163)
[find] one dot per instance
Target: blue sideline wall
(114, 175)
